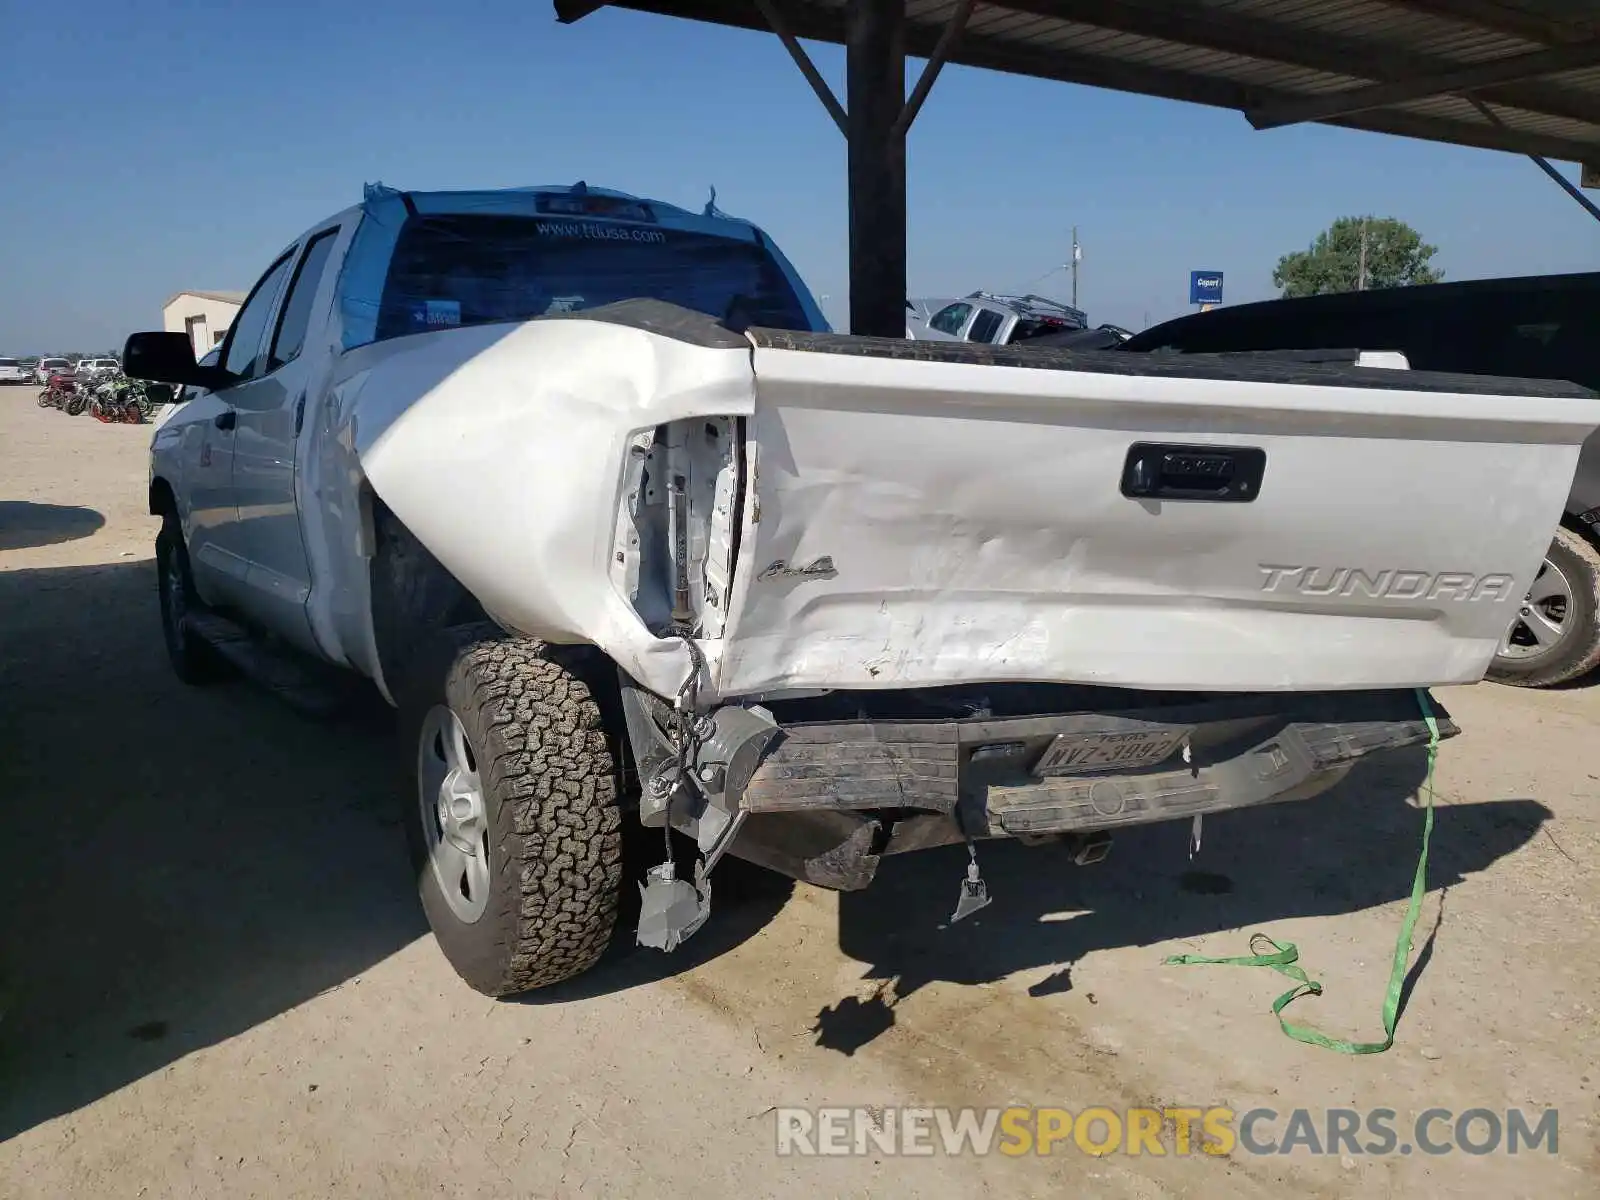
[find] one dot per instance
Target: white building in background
(204, 316)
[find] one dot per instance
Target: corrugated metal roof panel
(1238, 53)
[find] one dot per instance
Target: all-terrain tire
(194, 660)
(548, 777)
(1578, 650)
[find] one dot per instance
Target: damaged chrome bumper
(823, 801)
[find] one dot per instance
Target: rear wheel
(514, 818)
(1555, 637)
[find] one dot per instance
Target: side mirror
(169, 358)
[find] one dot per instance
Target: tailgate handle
(1221, 474)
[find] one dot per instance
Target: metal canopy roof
(1516, 75)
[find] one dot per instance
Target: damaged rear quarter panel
(503, 449)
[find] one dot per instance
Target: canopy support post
(875, 98)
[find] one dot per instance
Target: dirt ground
(217, 981)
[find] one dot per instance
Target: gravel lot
(218, 982)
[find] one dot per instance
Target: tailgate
(920, 514)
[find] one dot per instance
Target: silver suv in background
(11, 371)
(991, 318)
(88, 367)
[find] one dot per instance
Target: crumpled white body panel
(503, 453)
(973, 517)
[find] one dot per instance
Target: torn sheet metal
(672, 910)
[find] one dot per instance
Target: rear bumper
(888, 787)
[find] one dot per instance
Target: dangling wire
(686, 732)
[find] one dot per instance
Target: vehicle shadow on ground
(179, 864)
(744, 900)
(1349, 850)
(182, 864)
(25, 524)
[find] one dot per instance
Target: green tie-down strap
(1285, 956)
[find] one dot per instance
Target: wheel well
(1589, 533)
(413, 593)
(162, 500)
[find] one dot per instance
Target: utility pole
(1361, 269)
(1077, 255)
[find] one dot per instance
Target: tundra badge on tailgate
(1387, 584)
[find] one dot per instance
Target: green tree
(1395, 256)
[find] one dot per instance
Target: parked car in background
(920, 310)
(51, 366)
(93, 366)
(11, 371)
(1533, 327)
(993, 319)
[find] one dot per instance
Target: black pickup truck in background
(1535, 327)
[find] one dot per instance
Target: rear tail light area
(677, 527)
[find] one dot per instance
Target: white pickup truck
(583, 485)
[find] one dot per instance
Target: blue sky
(168, 145)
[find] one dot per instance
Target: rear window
(473, 269)
(1032, 327)
(8, 362)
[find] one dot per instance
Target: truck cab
(242, 463)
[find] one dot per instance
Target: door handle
(1226, 474)
(226, 420)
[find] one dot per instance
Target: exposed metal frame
(1502, 18)
(875, 118)
(1386, 81)
(1543, 164)
(819, 85)
(1516, 69)
(1193, 25)
(953, 30)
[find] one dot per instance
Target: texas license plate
(1072, 753)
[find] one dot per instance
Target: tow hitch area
(824, 800)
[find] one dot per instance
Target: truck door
(271, 413)
(216, 550)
